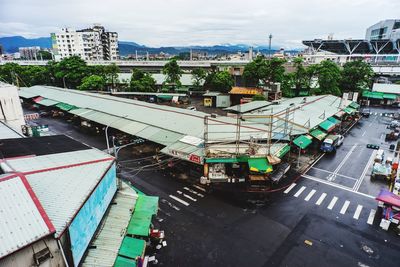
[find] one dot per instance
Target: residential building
(29, 53)
(90, 44)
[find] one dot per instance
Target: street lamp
(298, 159)
(106, 132)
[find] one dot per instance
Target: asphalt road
(213, 229)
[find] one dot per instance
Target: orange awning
(246, 91)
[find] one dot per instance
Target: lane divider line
(193, 192)
(200, 188)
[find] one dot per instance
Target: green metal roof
(282, 151)
(354, 105)
(66, 107)
(317, 133)
(259, 165)
(147, 204)
(327, 125)
(124, 262)
(48, 102)
(132, 247)
(334, 120)
(303, 141)
(139, 225)
(226, 160)
(165, 97)
(390, 96)
(373, 95)
(349, 110)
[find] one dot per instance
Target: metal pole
(108, 144)
(298, 159)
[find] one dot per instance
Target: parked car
(365, 112)
(395, 124)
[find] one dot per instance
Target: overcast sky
(200, 22)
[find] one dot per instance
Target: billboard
(89, 216)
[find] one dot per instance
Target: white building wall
(10, 107)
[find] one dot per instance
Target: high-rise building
(90, 44)
(29, 53)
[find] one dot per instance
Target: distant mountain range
(11, 45)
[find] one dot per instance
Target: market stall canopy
(139, 225)
(373, 95)
(132, 247)
(66, 107)
(165, 97)
(327, 125)
(124, 262)
(303, 141)
(259, 165)
(334, 120)
(390, 96)
(349, 110)
(388, 198)
(246, 91)
(26, 94)
(282, 151)
(319, 134)
(147, 203)
(354, 105)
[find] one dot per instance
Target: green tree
(198, 77)
(92, 82)
(111, 73)
(356, 76)
(258, 98)
(34, 75)
(299, 76)
(267, 71)
(9, 72)
(142, 81)
(329, 76)
(45, 55)
(220, 81)
(70, 71)
(173, 72)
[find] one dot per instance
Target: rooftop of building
(61, 173)
(386, 88)
(23, 220)
(6, 132)
(248, 107)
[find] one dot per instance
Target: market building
(382, 94)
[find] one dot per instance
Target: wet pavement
(333, 210)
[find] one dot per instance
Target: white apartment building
(90, 44)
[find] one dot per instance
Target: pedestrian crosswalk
(330, 202)
(185, 196)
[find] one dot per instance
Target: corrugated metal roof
(63, 181)
(47, 102)
(25, 94)
(7, 133)
(21, 221)
(243, 108)
(212, 94)
(185, 79)
(386, 88)
(109, 238)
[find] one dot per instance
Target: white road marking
(179, 200)
(289, 188)
(332, 204)
(179, 192)
(364, 133)
(309, 196)
(320, 199)
(345, 206)
(332, 176)
(170, 204)
(357, 185)
(358, 211)
(315, 162)
(376, 113)
(341, 175)
(371, 217)
(189, 197)
(335, 185)
(299, 191)
(193, 192)
(200, 188)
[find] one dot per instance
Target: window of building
(396, 25)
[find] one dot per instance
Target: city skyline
(179, 23)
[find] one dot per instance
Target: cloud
(199, 22)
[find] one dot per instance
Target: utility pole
(269, 46)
